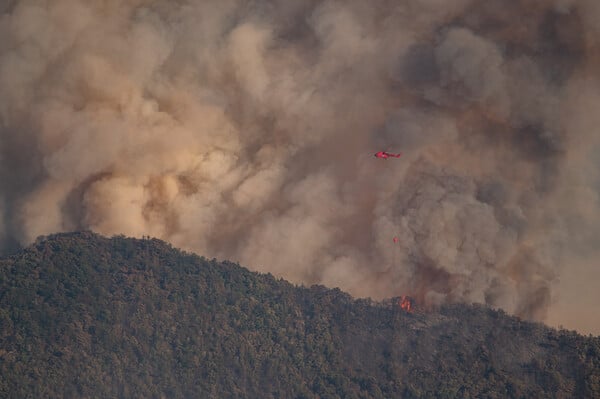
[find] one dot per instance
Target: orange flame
(405, 303)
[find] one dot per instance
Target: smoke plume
(246, 130)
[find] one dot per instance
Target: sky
(245, 130)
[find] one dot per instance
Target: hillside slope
(86, 316)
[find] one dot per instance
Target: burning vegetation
(406, 303)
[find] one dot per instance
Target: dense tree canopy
(87, 316)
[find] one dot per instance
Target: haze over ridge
(245, 130)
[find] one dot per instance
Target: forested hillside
(86, 316)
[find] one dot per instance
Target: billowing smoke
(246, 130)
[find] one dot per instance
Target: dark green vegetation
(86, 316)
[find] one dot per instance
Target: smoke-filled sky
(245, 130)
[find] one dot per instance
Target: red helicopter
(386, 155)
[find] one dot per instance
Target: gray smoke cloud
(246, 130)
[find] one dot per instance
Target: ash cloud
(245, 130)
